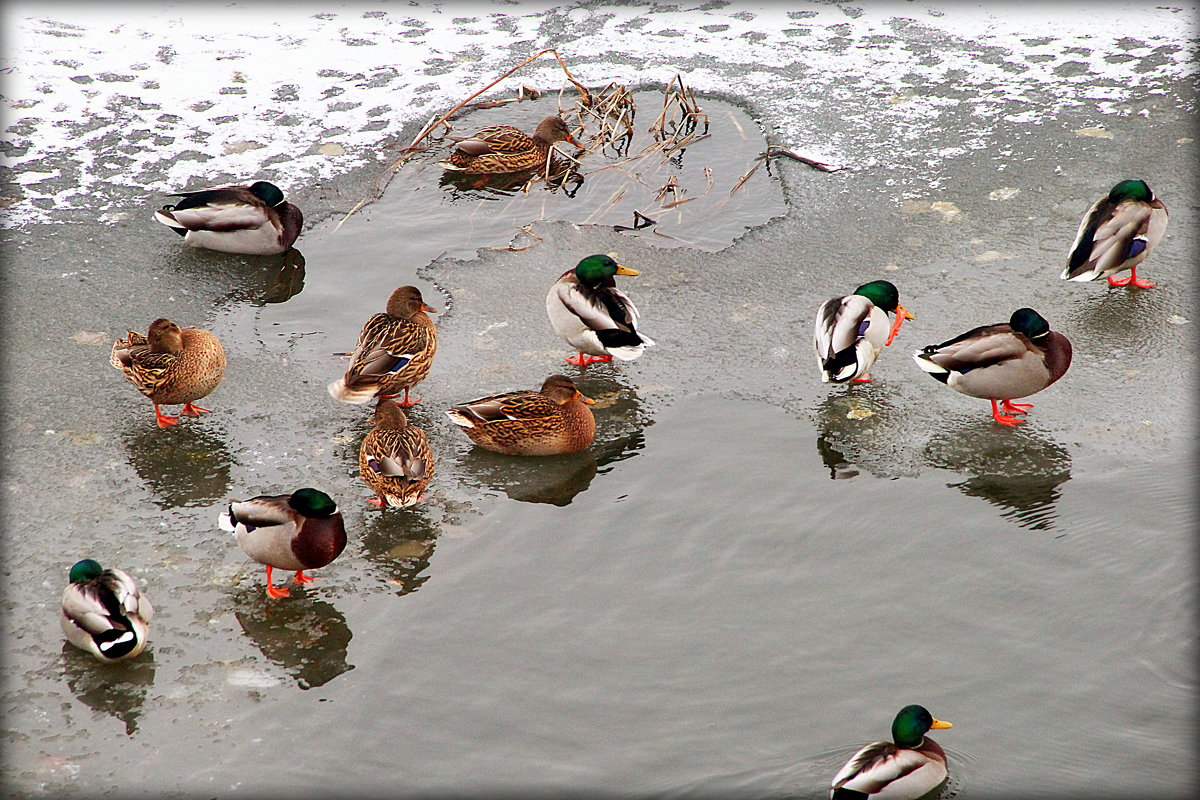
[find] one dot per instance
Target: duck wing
(497, 139)
(524, 405)
(229, 208)
(841, 322)
(398, 454)
(985, 346)
(264, 511)
(877, 765)
(1110, 234)
(385, 346)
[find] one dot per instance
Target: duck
(552, 421)
(851, 331)
(104, 612)
(297, 531)
(909, 767)
(592, 315)
(1117, 233)
(394, 352)
(503, 148)
(395, 460)
(253, 220)
(1001, 362)
(171, 365)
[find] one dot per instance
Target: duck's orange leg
(1003, 420)
(1132, 280)
(275, 591)
(1015, 408)
(300, 577)
(193, 410)
(163, 420)
(582, 360)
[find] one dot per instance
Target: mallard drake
(503, 148)
(395, 459)
(1117, 234)
(394, 351)
(909, 767)
(254, 220)
(171, 365)
(104, 612)
(1001, 362)
(297, 531)
(549, 422)
(852, 331)
(592, 315)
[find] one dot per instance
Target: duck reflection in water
(116, 689)
(855, 423)
(1018, 471)
(400, 547)
(556, 480)
(309, 638)
(189, 467)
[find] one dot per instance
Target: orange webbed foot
(193, 410)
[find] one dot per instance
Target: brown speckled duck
(395, 460)
(394, 351)
(553, 421)
(170, 366)
(254, 219)
(503, 148)
(297, 531)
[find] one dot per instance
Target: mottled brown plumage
(552, 421)
(394, 352)
(395, 460)
(171, 365)
(503, 148)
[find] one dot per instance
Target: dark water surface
(744, 578)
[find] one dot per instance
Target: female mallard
(297, 531)
(852, 331)
(909, 767)
(588, 310)
(1001, 361)
(104, 612)
(171, 366)
(550, 422)
(254, 220)
(395, 350)
(503, 148)
(395, 459)
(1117, 234)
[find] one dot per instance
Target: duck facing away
(170, 366)
(592, 315)
(297, 531)
(394, 352)
(1117, 234)
(395, 460)
(104, 612)
(1001, 362)
(852, 331)
(906, 768)
(252, 220)
(552, 421)
(503, 148)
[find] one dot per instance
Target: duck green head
(911, 725)
(269, 193)
(594, 269)
(1029, 322)
(1131, 190)
(312, 503)
(882, 293)
(85, 570)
